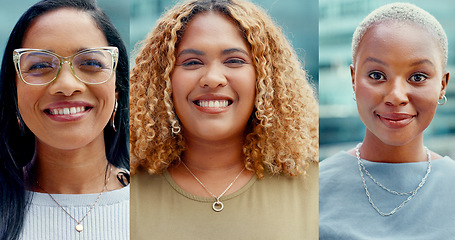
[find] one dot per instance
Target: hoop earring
(19, 122)
(353, 96)
(175, 128)
(444, 98)
(113, 116)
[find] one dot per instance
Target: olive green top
(275, 207)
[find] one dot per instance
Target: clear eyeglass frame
(17, 53)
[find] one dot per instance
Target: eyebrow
(372, 59)
(201, 53)
(191, 51)
(419, 62)
(233, 50)
(75, 51)
(423, 61)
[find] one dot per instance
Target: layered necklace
(410, 194)
(79, 226)
(217, 206)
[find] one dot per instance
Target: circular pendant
(217, 206)
(79, 227)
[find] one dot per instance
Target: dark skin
(397, 83)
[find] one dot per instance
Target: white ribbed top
(109, 219)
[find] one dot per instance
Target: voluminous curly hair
(282, 135)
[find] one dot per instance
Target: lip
(212, 103)
(72, 111)
(396, 120)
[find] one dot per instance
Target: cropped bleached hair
(282, 133)
(402, 12)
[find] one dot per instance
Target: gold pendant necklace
(79, 226)
(217, 206)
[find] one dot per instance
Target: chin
(215, 134)
(64, 144)
(396, 141)
(70, 142)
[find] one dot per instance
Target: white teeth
(67, 111)
(213, 103)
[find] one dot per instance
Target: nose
(397, 92)
(66, 83)
(213, 77)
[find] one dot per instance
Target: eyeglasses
(41, 67)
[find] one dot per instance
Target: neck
(74, 171)
(215, 163)
(214, 155)
(375, 150)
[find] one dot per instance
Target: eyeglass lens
(91, 67)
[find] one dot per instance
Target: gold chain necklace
(217, 206)
(79, 226)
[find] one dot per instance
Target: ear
(352, 76)
(444, 82)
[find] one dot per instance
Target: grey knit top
(109, 219)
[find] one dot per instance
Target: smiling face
(65, 114)
(398, 78)
(213, 81)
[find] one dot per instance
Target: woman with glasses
(391, 186)
(223, 129)
(64, 125)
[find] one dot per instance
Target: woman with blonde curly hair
(224, 129)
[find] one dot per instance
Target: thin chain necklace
(217, 206)
(79, 226)
(409, 194)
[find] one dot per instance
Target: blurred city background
(297, 19)
(340, 126)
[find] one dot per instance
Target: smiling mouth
(396, 117)
(213, 103)
(66, 111)
(396, 120)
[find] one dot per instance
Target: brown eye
(377, 76)
(234, 62)
(418, 78)
(191, 63)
